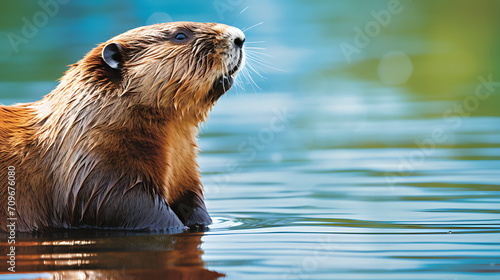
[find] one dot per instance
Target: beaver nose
(237, 36)
(238, 41)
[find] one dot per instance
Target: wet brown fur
(117, 149)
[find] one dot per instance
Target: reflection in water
(93, 254)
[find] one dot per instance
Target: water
(356, 159)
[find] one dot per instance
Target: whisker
(239, 85)
(253, 83)
(259, 53)
(256, 71)
(255, 57)
(261, 62)
(242, 11)
(226, 70)
(255, 25)
(255, 48)
(250, 77)
(254, 62)
(245, 74)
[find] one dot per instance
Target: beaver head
(180, 67)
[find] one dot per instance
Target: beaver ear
(113, 55)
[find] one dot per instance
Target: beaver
(114, 145)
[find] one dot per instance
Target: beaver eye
(181, 36)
